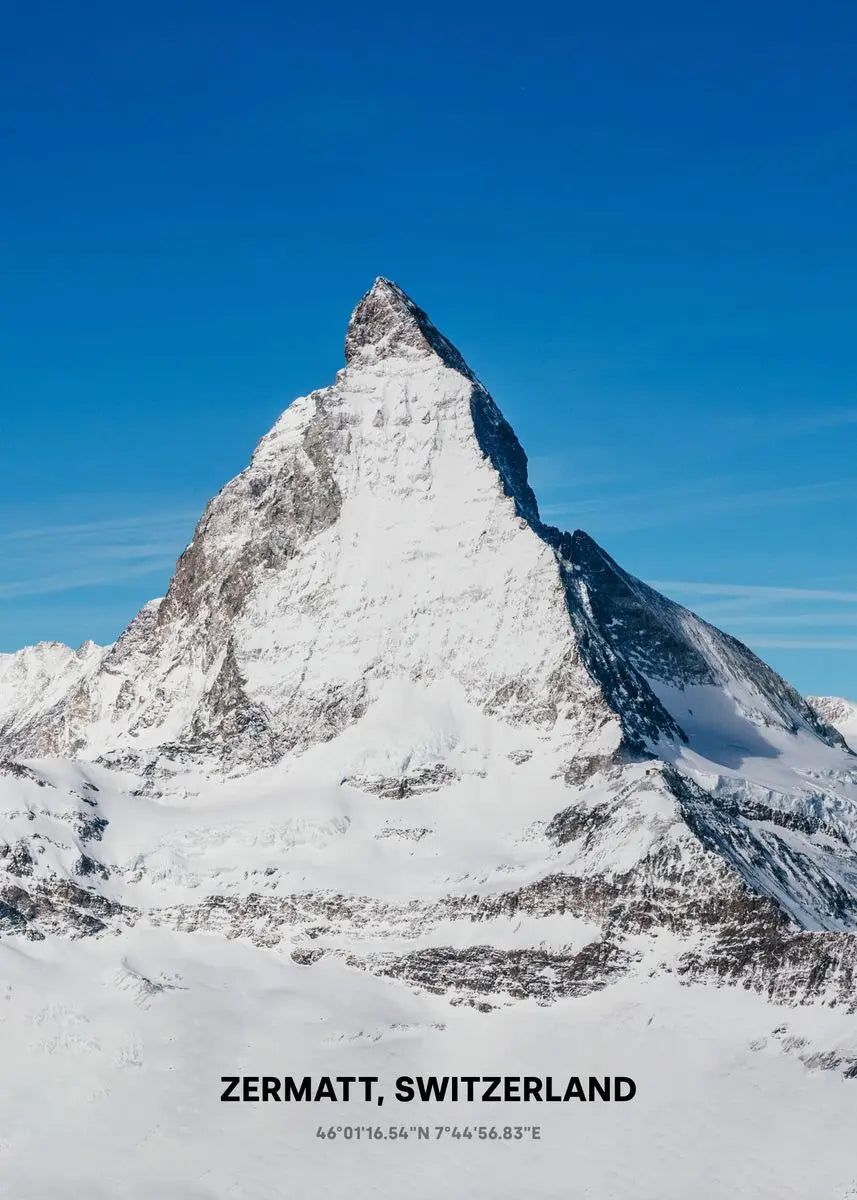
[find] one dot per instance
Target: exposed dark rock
(725, 826)
(413, 782)
(90, 828)
(386, 321)
(89, 866)
(226, 718)
(18, 860)
(55, 906)
(19, 771)
(582, 768)
(305, 956)
(533, 974)
(410, 835)
(498, 443)
(578, 821)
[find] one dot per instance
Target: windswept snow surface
(398, 780)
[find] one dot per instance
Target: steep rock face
(681, 658)
(387, 324)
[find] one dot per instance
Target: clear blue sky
(636, 221)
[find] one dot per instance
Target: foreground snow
(118, 1046)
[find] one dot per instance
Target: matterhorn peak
(385, 534)
(386, 323)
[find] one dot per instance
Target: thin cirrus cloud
(40, 558)
(746, 611)
(51, 557)
(620, 512)
(762, 591)
(114, 529)
(798, 643)
(797, 426)
(817, 620)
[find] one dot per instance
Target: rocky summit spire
(386, 324)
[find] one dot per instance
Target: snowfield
(116, 1046)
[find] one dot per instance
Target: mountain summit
(387, 323)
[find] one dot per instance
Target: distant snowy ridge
(841, 714)
(38, 676)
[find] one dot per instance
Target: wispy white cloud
(625, 512)
(772, 616)
(762, 591)
(110, 530)
(799, 643)
(796, 620)
(81, 577)
(779, 426)
(55, 556)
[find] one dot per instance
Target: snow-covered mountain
(385, 529)
(841, 714)
(389, 736)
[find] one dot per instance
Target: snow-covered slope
(400, 738)
(37, 677)
(841, 714)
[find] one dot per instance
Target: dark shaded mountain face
(391, 699)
